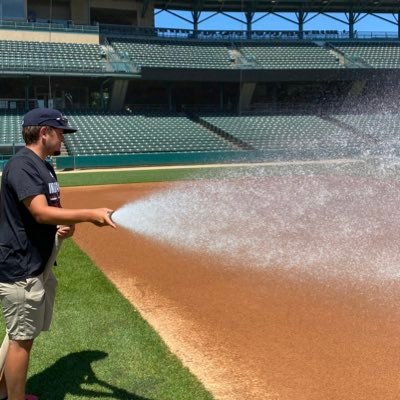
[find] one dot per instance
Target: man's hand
(102, 217)
(65, 231)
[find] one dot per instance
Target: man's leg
(16, 368)
(3, 356)
(3, 386)
(23, 304)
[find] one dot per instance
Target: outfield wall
(134, 160)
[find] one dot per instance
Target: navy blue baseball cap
(47, 117)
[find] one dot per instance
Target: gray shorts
(28, 306)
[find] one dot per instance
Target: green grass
(117, 177)
(151, 175)
(251, 170)
(99, 345)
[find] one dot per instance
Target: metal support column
(28, 85)
(300, 21)
(398, 25)
(171, 105)
(351, 18)
(249, 22)
(196, 17)
(221, 96)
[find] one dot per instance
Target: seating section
(50, 56)
(168, 132)
(284, 132)
(382, 128)
(142, 132)
(292, 55)
(10, 127)
(195, 54)
(375, 54)
(174, 53)
(219, 55)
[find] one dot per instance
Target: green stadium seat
(142, 132)
(376, 54)
(44, 56)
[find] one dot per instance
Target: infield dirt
(250, 333)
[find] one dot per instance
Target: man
(30, 217)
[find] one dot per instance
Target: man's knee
(21, 344)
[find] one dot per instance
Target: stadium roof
(328, 6)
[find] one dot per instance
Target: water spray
(324, 226)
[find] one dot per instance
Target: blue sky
(272, 22)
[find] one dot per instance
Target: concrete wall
(80, 10)
(59, 37)
(42, 9)
(246, 95)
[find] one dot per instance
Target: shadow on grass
(73, 375)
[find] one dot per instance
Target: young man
(30, 218)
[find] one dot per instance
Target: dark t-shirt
(25, 245)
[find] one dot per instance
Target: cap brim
(67, 129)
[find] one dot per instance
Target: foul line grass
(118, 177)
(147, 175)
(99, 345)
(104, 177)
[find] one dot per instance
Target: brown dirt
(248, 333)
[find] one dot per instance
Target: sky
(272, 22)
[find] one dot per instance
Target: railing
(116, 68)
(174, 33)
(16, 105)
(206, 108)
(127, 30)
(306, 108)
(376, 35)
(131, 108)
(65, 26)
(25, 66)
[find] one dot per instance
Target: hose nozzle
(110, 213)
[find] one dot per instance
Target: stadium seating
(174, 53)
(213, 54)
(50, 56)
(166, 132)
(375, 54)
(142, 132)
(373, 126)
(283, 132)
(10, 127)
(292, 55)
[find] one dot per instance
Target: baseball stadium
(254, 177)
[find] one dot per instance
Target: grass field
(105, 177)
(145, 175)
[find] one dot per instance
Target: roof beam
(145, 7)
(363, 6)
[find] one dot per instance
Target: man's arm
(45, 214)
